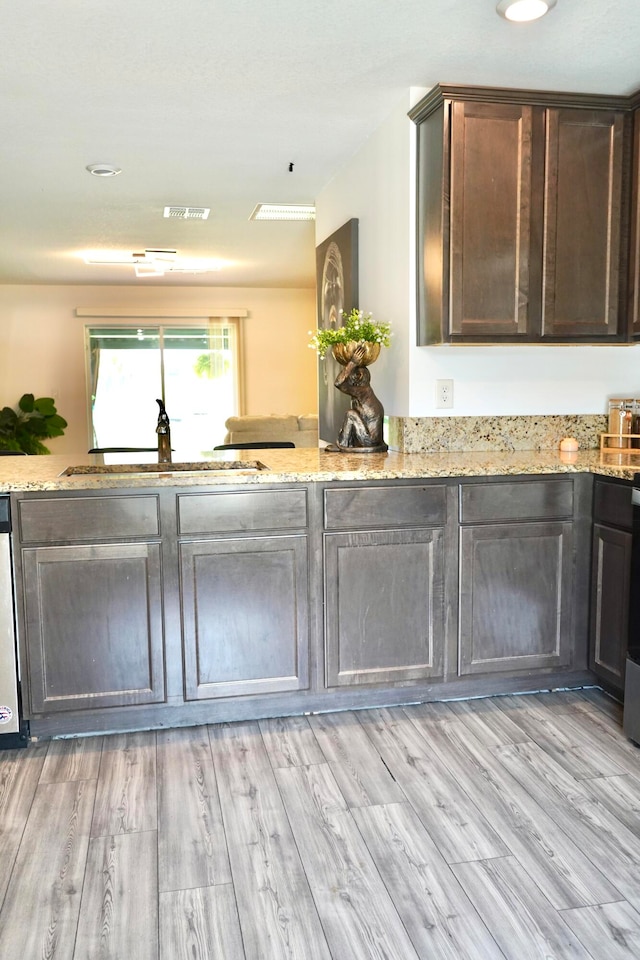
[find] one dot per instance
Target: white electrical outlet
(444, 394)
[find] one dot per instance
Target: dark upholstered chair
(256, 445)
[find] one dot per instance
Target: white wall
(524, 380)
(377, 186)
(42, 344)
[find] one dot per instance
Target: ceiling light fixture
(112, 258)
(156, 253)
(103, 170)
(284, 211)
(149, 270)
(152, 263)
(522, 11)
(192, 265)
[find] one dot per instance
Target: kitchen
(551, 380)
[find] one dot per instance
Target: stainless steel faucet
(163, 430)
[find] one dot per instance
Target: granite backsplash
(500, 433)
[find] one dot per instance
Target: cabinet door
(244, 616)
(93, 626)
(634, 260)
(495, 283)
(610, 580)
(585, 155)
(515, 596)
(384, 601)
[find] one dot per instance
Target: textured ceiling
(206, 102)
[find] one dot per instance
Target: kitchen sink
(162, 469)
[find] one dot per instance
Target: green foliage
(358, 326)
(203, 366)
(211, 365)
(34, 420)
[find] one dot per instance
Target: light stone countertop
(42, 473)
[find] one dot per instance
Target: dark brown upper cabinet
(634, 259)
(523, 214)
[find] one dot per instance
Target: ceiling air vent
(187, 213)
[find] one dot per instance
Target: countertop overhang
(43, 473)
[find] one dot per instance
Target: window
(195, 370)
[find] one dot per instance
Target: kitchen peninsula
(324, 582)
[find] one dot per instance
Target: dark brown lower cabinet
(516, 597)
(94, 632)
(245, 616)
(235, 603)
(384, 606)
(610, 581)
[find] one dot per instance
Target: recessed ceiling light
(284, 211)
(521, 11)
(103, 170)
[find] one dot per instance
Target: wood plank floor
(495, 829)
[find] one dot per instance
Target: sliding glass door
(195, 370)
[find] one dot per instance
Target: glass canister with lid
(624, 417)
(635, 423)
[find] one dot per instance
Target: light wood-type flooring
(471, 830)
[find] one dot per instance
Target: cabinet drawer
(88, 518)
(376, 507)
(612, 504)
(242, 511)
(527, 500)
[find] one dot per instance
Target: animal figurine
(361, 430)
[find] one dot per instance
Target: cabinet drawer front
(378, 507)
(529, 500)
(612, 504)
(88, 518)
(242, 511)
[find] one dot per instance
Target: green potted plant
(357, 327)
(34, 420)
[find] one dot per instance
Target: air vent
(187, 213)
